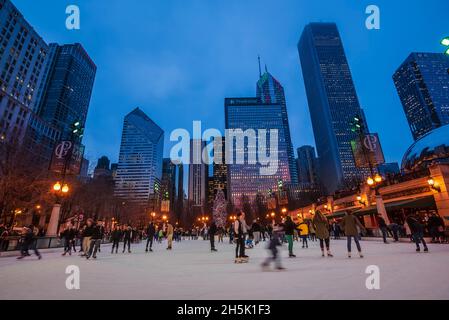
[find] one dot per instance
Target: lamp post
(374, 184)
(60, 190)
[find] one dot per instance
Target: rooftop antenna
(260, 69)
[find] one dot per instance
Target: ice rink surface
(191, 271)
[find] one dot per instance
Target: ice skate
(329, 254)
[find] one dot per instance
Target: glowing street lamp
(164, 217)
(57, 186)
(433, 185)
(370, 181)
(273, 214)
(65, 189)
(378, 178)
(284, 210)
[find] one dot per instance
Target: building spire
(266, 68)
(260, 69)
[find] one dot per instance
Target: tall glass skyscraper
(422, 82)
(198, 177)
(139, 171)
(270, 91)
(333, 103)
(66, 91)
(245, 180)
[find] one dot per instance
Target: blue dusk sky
(179, 59)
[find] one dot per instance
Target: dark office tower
(220, 170)
(198, 178)
(333, 103)
(102, 170)
(23, 55)
(139, 170)
(307, 165)
(168, 184)
(179, 210)
(245, 181)
(422, 82)
(270, 91)
(66, 92)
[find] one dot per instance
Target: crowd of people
(89, 237)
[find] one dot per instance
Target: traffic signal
(77, 129)
(357, 124)
(445, 42)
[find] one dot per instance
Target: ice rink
(191, 271)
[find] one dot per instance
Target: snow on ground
(191, 271)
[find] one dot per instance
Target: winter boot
(329, 254)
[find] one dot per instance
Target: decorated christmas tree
(219, 210)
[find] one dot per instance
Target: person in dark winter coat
(95, 241)
(383, 228)
(127, 236)
(28, 239)
(322, 232)
(349, 225)
(417, 229)
(69, 236)
(212, 232)
(274, 242)
(116, 235)
(87, 235)
(289, 229)
(151, 230)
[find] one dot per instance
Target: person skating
(169, 230)
(116, 235)
(87, 235)
(69, 236)
(256, 228)
(127, 236)
(212, 232)
(349, 225)
(383, 228)
(304, 234)
(95, 241)
(273, 245)
(321, 225)
(417, 230)
(240, 229)
(28, 242)
(289, 229)
(151, 230)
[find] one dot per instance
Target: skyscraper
(23, 55)
(65, 93)
(422, 82)
(198, 177)
(179, 191)
(333, 103)
(139, 170)
(307, 165)
(168, 184)
(270, 91)
(102, 170)
(245, 180)
(220, 172)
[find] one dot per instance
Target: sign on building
(367, 151)
(67, 158)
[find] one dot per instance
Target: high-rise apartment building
(422, 82)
